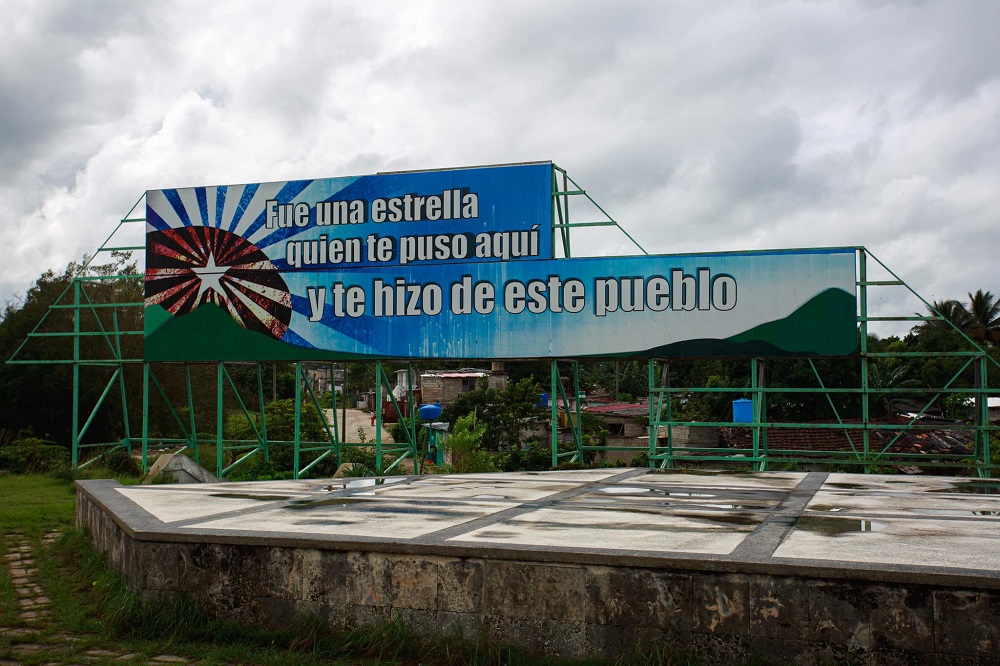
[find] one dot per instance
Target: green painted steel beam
(902, 318)
(571, 225)
(82, 334)
(67, 306)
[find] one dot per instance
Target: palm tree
(953, 312)
(983, 317)
(889, 374)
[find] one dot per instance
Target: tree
(38, 398)
(983, 317)
(952, 311)
(885, 375)
(500, 413)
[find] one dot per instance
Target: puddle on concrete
(332, 501)
(825, 507)
(261, 498)
(955, 512)
(361, 483)
(837, 526)
(692, 472)
(978, 487)
(637, 490)
(490, 497)
(379, 508)
(724, 518)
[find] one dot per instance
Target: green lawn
(35, 504)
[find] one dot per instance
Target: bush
(465, 442)
(32, 455)
(121, 462)
(532, 457)
(398, 432)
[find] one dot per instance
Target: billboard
(458, 264)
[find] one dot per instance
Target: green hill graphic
(208, 333)
(826, 325)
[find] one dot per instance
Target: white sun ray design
(210, 275)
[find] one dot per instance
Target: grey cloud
(758, 157)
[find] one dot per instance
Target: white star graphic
(210, 276)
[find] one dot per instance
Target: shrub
(32, 455)
(121, 462)
(465, 442)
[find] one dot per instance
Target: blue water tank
(543, 400)
(430, 412)
(743, 410)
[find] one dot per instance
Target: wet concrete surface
(914, 526)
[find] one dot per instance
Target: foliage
(120, 462)
(979, 318)
(466, 444)
(533, 456)
(623, 379)
(983, 323)
(501, 413)
(886, 374)
(399, 429)
(280, 419)
(710, 407)
(21, 385)
(31, 455)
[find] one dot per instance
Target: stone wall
(559, 608)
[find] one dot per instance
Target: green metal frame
(96, 314)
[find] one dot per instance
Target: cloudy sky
(700, 126)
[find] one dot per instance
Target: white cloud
(698, 126)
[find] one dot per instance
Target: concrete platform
(881, 569)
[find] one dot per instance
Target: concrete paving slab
(768, 522)
(614, 529)
(179, 504)
(935, 544)
(903, 504)
(370, 517)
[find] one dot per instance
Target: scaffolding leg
(145, 418)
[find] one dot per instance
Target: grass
(92, 610)
(35, 504)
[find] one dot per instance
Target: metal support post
(263, 418)
(654, 426)
(145, 417)
(982, 419)
(76, 374)
(219, 419)
(378, 415)
(193, 437)
(755, 395)
(297, 438)
(863, 333)
(553, 410)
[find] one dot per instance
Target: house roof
(945, 440)
(456, 374)
(619, 408)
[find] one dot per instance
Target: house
(628, 425)
(444, 386)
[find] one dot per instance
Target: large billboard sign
(457, 264)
